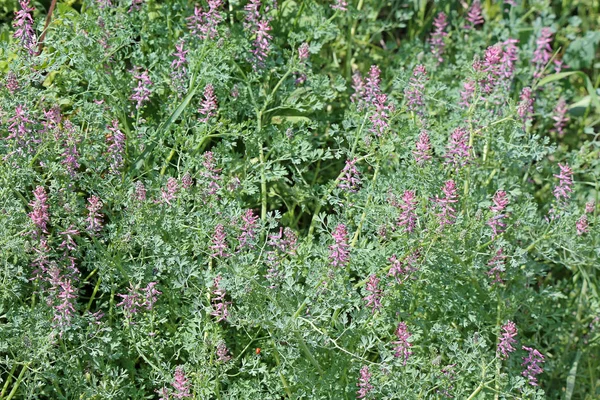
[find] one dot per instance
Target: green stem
(8, 381)
(18, 382)
(89, 304)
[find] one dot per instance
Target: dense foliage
(299, 199)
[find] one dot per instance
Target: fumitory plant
(299, 199)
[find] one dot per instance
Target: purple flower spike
(500, 201)
(408, 217)
(223, 353)
(168, 194)
(209, 104)
(565, 183)
(339, 252)
(363, 383)
(220, 306)
(525, 108)
(23, 24)
(447, 214)
(373, 299)
(116, 147)
(350, 179)
(474, 15)
(422, 152)
(509, 331)
(219, 241)
(497, 264)
(40, 216)
(582, 225)
(372, 85)
(457, 150)
(94, 218)
(543, 52)
(415, 90)
(358, 85)
(531, 362)
(204, 24)
(181, 385)
(303, 52)
(141, 94)
(403, 346)
(248, 230)
(340, 5)
(560, 117)
(437, 37)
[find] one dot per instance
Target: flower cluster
(339, 252)
(220, 306)
(447, 212)
(203, 24)
(532, 363)
(402, 345)
(437, 36)
(506, 341)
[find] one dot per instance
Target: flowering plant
(299, 199)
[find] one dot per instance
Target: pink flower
(64, 310)
(582, 225)
(543, 52)
(497, 264)
(467, 93)
(303, 52)
(68, 242)
(525, 108)
(363, 383)
(415, 90)
(373, 299)
(70, 153)
(140, 191)
(560, 117)
(474, 15)
(372, 85)
(141, 93)
(422, 152)
(180, 61)
(219, 240)
(509, 331)
(186, 181)
(220, 309)
(223, 352)
(248, 233)
(350, 179)
(398, 269)
(12, 82)
(339, 252)
(23, 24)
(492, 67)
(168, 194)
(261, 45)
(116, 147)
(500, 201)
(130, 301)
(19, 129)
(379, 118)
(39, 214)
(457, 150)
(403, 346)
(94, 218)
(531, 362)
(150, 295)
(179, 69)
(565, 183)
(204, 24)
(358, 85)
(209, 105)
(590, 206)
(437, 37)
(211, 173)
(447, 214)
(510, 57)
(408, 217)
(340, 5)
(136, 5)
(181, 385)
